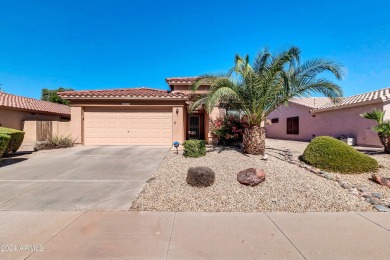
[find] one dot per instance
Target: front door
(194, 127)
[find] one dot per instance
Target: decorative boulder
(381, 180)
(200, 176)
(251, 176)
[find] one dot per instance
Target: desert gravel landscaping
(358, 180)
(287, 187)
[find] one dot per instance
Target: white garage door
(111, 126)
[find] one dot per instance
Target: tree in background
(51, 95)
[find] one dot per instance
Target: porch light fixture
(176, 145)
(177, 111)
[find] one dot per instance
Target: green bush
(194, 148)
(16, 139)
(4, 140)
(330, 154)
(56, 142)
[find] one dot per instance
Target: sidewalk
(169, 235)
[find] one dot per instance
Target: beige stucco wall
(14, 118)
(178, 121)
(59, 129)
(30, 129)
(346, 121)
(62, 129)
(209, 118)
(76, 124)
(386, 108)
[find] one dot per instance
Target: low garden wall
(44, 130)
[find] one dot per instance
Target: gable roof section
(128, 93)
(31, 104)
(181, 80)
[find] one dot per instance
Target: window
(293, 125)
(275, 120)
(234, 112)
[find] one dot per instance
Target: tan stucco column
(386, 109)
(178, 124)
(209, 118)
(77, 124)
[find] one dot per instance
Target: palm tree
(258, 89)
(382, 128)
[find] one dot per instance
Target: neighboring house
(306, 118)
(14, 110)
(138, 116)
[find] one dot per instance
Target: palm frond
(376, 115)
(207, 79)
(383, 128)
(270, 82)
(313, 67)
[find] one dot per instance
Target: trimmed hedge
(330, 154)
(16, 139)
(4, 140)
(194, 148)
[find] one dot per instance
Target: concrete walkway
(169, 235)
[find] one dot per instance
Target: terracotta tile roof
(123, 93)
(181, 80)
(24, 103)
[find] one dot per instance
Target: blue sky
(118, 44)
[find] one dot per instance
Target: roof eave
(124, 98)
(302, 105)
(34, 111)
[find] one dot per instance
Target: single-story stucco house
(15, 110)
(305, 118)
(145, 116)
(139, 116)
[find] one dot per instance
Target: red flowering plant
(229, 130)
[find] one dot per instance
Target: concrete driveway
(79, 178)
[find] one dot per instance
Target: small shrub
(330, 154)
(229, 130)
(4, 140)
(200, 176)
(56, 142)
(16, 139)
(194, 148)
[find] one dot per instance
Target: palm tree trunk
(385, 140)
(254, 140)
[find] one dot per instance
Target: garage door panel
(147, 140)
(109, 126)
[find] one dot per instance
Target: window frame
(291, 130)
